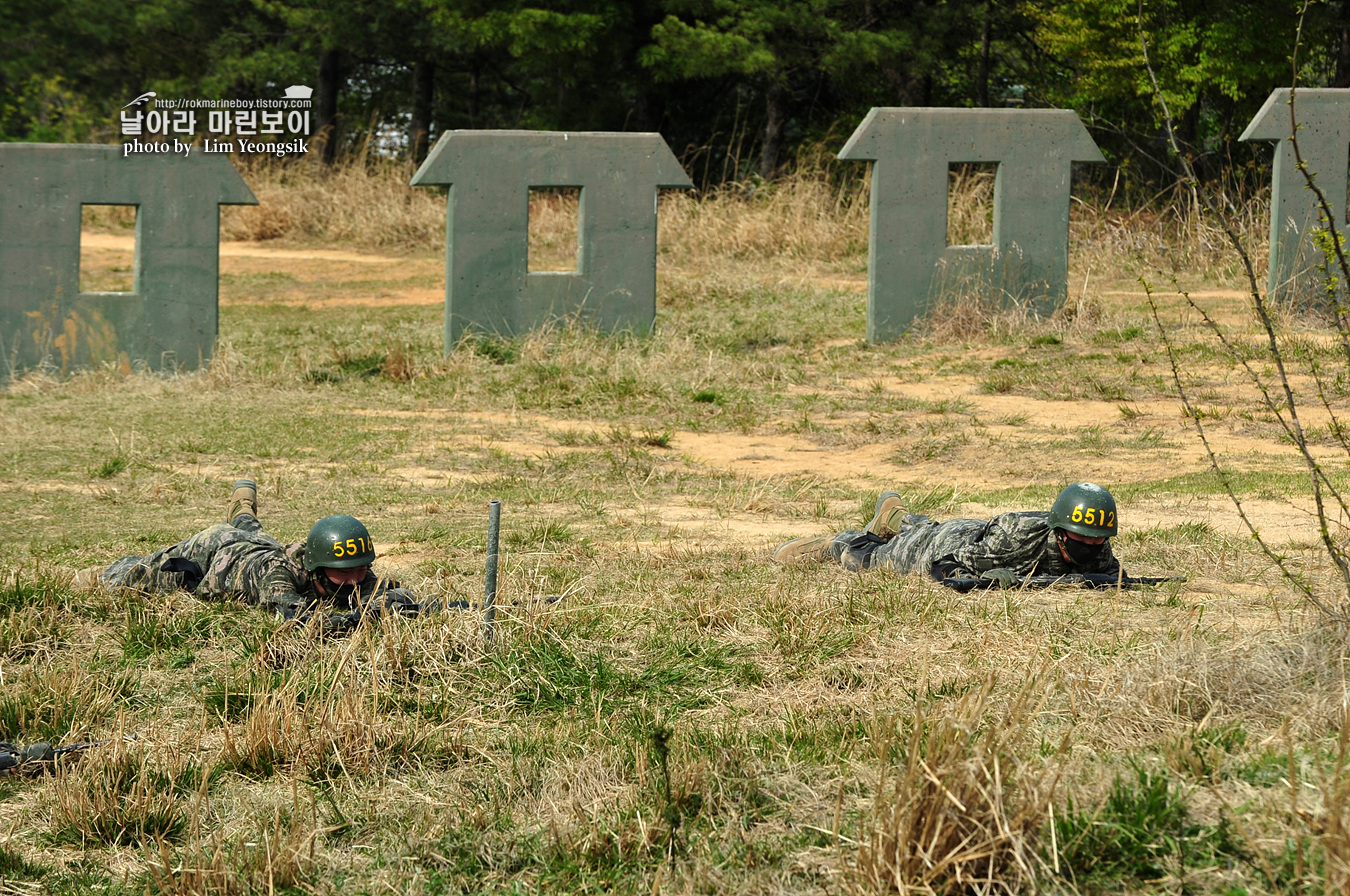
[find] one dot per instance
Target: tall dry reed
(802, 216)
(366, 204)
(816, 214)
(361, 203)
(965, 810)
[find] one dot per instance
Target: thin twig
(1294, 434)
(1328, 217)
(1214, 464)
(1336, 553)
(1318, 479)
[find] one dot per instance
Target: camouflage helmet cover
(1085, 508)
(338, 542)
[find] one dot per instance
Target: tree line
(736, 87)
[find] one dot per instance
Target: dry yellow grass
(690, 718)
(122, 794)
(966, 810)
(356, 203)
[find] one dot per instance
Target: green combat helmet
(338, 542)
(1085, 508)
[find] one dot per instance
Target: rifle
(341, 624)
(44, 754)
(1093, 580)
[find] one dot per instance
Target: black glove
(191, 574)
(1006, 578)
(398, 600)
(340, 624)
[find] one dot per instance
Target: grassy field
(689, 718)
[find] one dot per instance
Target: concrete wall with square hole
(502, 278)
(1298, 227)
(61, 305)
(1026, 156)
(74, 292)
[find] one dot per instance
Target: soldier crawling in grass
(1071, 539)
(237, 560)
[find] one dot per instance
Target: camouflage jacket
(1021, 541)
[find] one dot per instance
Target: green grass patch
(1142, 832)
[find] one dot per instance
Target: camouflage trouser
(181, 566)
(914, 548)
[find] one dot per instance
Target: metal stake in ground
(490, 586)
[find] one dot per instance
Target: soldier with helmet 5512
(1072, 537)
(328, 574)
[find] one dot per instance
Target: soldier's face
(1075, 548)
(339, 577)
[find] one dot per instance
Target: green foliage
(1329, 268)
(540, 536)
(1141, 832)
(497, 350)
(230, 697)
(1202, 754)
(152, 630)
(1215, 65)
(740, 43)
(549, 674)
(18, 590)
(67, 67)
(14, 867)
(727, 76)
(1117, 334)
(111, 467)
(1266, 769)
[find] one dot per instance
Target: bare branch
(1194, 415)
(1318, 479)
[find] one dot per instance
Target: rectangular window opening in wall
(970, 203)
(555, 240)
(108, 248)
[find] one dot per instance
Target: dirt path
(319, 276)
(832, 476)
(113, 242)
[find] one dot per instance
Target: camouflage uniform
(1023, 542)
(238, 561)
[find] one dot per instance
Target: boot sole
(887, 504)
(801, 550)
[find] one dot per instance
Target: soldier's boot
(804, 550)
(888, 511)
(88, 577)
(244, 499)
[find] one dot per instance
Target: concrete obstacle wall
(909, 262)
(1324, 143)
(488, 285)
(169, 318)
